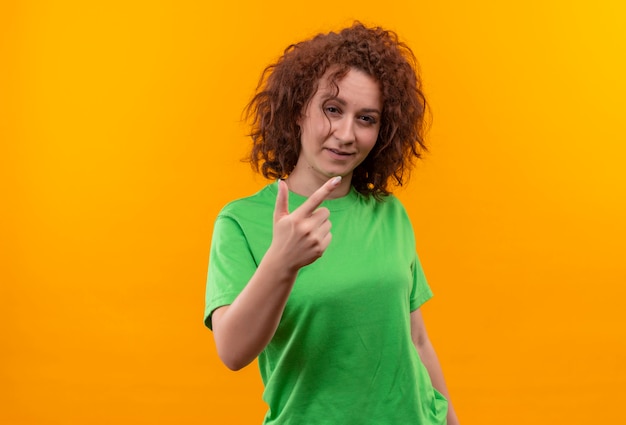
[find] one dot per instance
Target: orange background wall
(120, 141)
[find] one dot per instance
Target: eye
(368, 119)
(332, 110)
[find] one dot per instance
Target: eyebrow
(344, 103)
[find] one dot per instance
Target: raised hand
(301, 237)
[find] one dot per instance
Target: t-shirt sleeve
(231, 265)
(421, 292)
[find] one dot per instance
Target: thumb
(282, 201)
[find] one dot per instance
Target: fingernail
(336, 180)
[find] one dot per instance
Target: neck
(307, 187)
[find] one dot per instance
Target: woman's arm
(243, 329)
(430, 360)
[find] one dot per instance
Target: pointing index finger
(315, 200)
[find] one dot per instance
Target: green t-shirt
(342, 353)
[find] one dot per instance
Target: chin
(342, 173)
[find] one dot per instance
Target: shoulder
(245, 225)
(252, 205)
(390, 213)
(388, 204)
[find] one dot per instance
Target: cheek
(315, 126)
(370, 139)
(322, 125)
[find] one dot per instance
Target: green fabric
(343, 352)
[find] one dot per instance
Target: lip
(339, 154)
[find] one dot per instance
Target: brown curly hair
(286, 87)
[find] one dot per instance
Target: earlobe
(298, 128)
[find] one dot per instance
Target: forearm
(429, 358)
(243, 329)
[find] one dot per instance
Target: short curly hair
(286, 87)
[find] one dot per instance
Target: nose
(344, 130)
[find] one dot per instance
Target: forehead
(354, 84)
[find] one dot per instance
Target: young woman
(334, 321)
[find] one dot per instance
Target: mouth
(339, 152)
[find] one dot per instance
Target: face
(338, 131)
